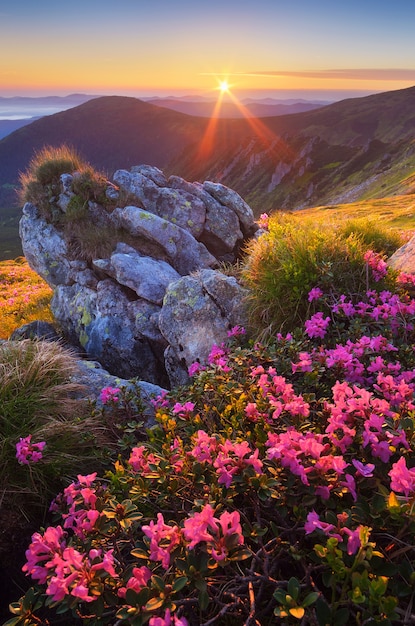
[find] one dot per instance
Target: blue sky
(144, 47)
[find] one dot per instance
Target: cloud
(343, 74)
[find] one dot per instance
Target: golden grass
(395, 212)
(24, 296)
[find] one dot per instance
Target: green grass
(395, 212)
(298, 254)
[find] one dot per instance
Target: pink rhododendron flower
(263, 221)
(138, 580)
(168, 620)
(377, 264)
(252, 412)
(314, 294)
(402, 478)
(205, 448)
(196, 527)
(218, 356)
(195, 368)
(362, 469)
(183, 410)
(315, 523)
(317, 325)
(354, 542)
(163, 540)
(406, 279)
(109, 394)
(160, 401)
(236, 331)
(28, 452)
(205, 527)
(63, 569)
(305, 363)
(232, 458)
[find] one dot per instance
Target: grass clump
(86, 229)
(41, 181)
(296, 255)
(373, 236)
(39, 398)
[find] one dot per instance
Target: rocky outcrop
(157, 302)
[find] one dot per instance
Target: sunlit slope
(397, 212)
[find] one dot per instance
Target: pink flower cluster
(140, 460)
(63, 569)
(219, 356)
(163, 540)
(317, 325)
(168, 620)
(80, 499)
(228, 458)
(402, 478)
(377, 264)
(354, 537)
(279, 394)
(220, 533)
(263, 221)
(109, 394)
(183, 410)
(28, 452)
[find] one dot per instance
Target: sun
(224, 86)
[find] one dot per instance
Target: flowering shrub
(279, 487)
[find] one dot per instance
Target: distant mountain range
(356, 148)
(247, 108)
(18, 111)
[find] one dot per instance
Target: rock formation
(157, 302)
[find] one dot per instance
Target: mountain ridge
(356, 148)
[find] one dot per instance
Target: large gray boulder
(198, 311)
(154, 301)
(182, 250)
(44, 248)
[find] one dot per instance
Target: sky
(183, 47)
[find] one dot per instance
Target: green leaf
(310, 598)
(293, 588)
(15, 608)
(279, 596)
(158, 582)
(139, 553)
(341, 617)
(179, 583)
(13, 621)
(323, 612)
(153, 604)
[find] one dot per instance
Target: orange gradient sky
(177, 47)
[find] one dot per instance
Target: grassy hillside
(397, 212)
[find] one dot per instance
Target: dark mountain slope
(388, 117)
(110, 132)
